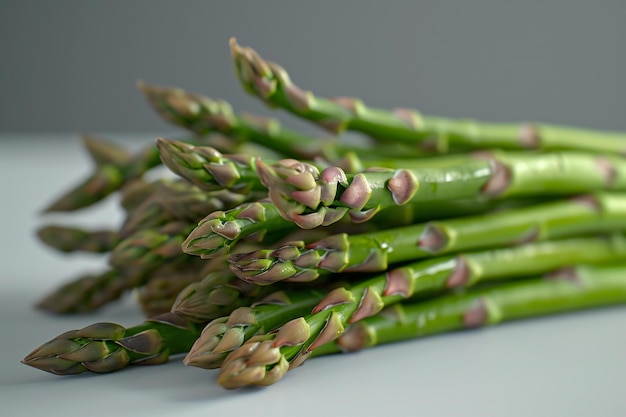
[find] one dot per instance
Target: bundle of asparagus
(272, 246)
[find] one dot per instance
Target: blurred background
(71, 66)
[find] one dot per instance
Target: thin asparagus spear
(108, 347)
(114, 168)
(201, 115)
(178, 200)
(310, 198)
(83, 294)
(266, 359)
(74, 239)
(372, 252)
(216, 295)
(349, 304)
(272, 84)
(225, 334)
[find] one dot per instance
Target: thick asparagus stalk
(310, 198)
(225, 334)
(346, 305)
(272, 84)
(265, 360)
(108, 347)
(371, 252)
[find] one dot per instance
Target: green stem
(371, 252)
(266, 360)
(271, 83)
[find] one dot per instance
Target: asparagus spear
(178, 200)
(272, 84)
(201, 115)
(208, 169)
(310, 198)
(371, 252)
(132, 262)
(108, 347)
(85, 293)
(345, 305)
(74, 239)
(265, 359)
(225, 334)
(114, 167)
(216, 295)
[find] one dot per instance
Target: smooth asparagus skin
(108, 347)
(263, 361)
(271, 83)
(375, 251)
(311, 198)
(423, 279)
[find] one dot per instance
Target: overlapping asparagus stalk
(348, 304)
(372, 252)
(311, 198)
(265, 360)
(271, 83)
(202, 115)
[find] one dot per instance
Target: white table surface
(570, 365)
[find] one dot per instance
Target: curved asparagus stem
(372, 252)
(108, 347)
(226, 334)
(208, 169)
(74, 239)
(266, 359)
(202, 115)
(346, 305)
(272, 84)
(310, 198)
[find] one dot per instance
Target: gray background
(71, 66)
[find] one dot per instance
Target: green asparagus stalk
(266, 359)
(108, 347)
(226, 334)
(216, 295)
(114, 167)
(345, 305)
(158, 294)
(73, 239)
(208, 169)
(178, 201)
(372, 252)
(202, 115)
(272, 84)
(310, 198)
(83, 294)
